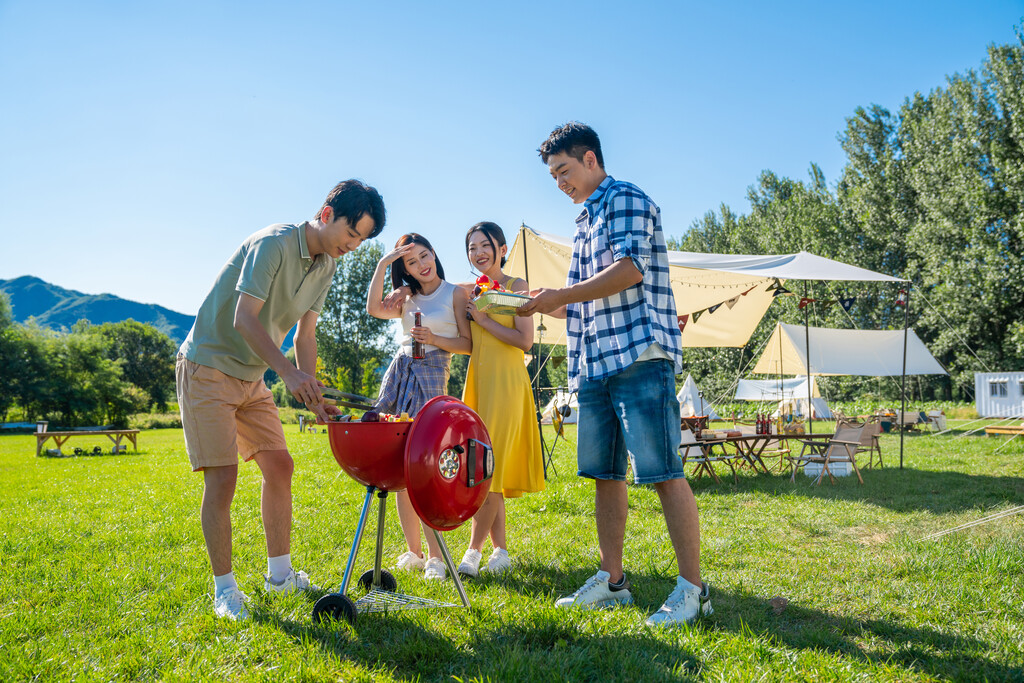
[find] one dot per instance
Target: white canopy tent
(691, 403)
(720, 298)
(876, 353)
(791, 394)
(728, 292)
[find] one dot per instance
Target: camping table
(750, 447)
(114, 435)
(708, 456)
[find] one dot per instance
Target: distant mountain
(59, 308)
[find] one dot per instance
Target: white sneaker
(435, 570)
(597, 593)
(295, 581)
(409, 561)
(470, 565)
(230, 604)
(498, 561)
(685, 604)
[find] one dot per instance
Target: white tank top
(438, 313)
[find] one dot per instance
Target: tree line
(90, 375)
(934, 194)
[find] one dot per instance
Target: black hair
(353, 199)
(494, 235)
(574, 139)
(399, 276)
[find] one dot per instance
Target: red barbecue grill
(442, 458)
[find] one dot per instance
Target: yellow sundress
(498, 389)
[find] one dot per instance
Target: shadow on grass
(542, 648)
(899, 490)
(873, 641)
(919, 649)
(544, 644)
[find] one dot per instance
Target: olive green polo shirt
(274, 266)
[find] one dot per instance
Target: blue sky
(141, 142)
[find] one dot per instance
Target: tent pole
(903, 378)
(807, 364)
(545, 454)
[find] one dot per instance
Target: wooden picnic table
(747, 449)
(114, 435)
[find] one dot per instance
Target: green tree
(354, 347)
(9, 353)
(146, 355)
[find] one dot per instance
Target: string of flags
(778, 290)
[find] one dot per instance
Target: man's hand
(327, 411)
(306, 389)
(546, 302)
(395, 300)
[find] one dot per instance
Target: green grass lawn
(105, 577)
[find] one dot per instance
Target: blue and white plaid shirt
(607, 335)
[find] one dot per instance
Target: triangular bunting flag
(681, 321)
(748, 291)
(712, 309)
(781, 291)
(732, 302)
(847, 303)
(774, 285)
(697, 315)
(804, 301)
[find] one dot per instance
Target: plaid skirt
(409, 383)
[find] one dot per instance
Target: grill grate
(384, 601)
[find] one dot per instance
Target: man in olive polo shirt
(277, 279)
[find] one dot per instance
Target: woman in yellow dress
(498, 389)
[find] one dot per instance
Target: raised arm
(375, 295)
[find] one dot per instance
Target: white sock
(223, 582)
(278, 567)
(686, 583)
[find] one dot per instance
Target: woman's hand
(473, 313)
(396, 253)
(423, 335)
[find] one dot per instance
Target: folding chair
(842, 447)
(869, 442)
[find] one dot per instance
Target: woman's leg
(484, 521)
(410, 522)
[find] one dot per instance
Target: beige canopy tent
(720, 298)
(873, 353)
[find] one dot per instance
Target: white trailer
(999, 394)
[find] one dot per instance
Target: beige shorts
(224, 417)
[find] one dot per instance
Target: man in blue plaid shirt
(624, 353)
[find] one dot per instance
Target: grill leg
(451, 567)
(363, 518)
(382, 497)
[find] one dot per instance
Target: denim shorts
(633, 414)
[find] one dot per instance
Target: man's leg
(680, 509)
(276, 500)
(610, 509)
(215, 515)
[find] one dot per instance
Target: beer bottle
(417, 347)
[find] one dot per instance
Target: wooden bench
(114, 435)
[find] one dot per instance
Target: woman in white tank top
(410, 382)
